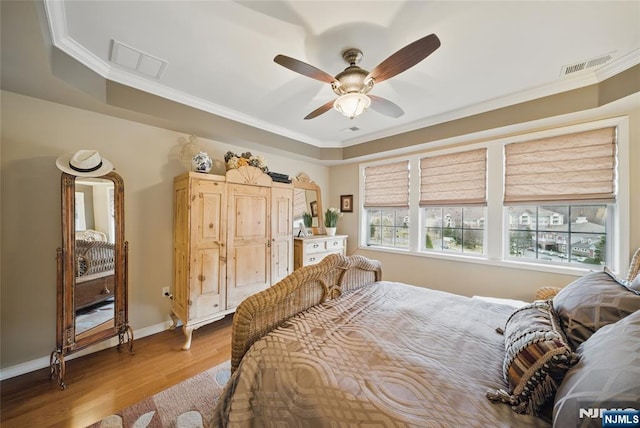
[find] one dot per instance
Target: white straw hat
(84, 163)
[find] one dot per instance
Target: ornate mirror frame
(302, 181)
(67, 341)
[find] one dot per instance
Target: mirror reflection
(307, 199)
(95, 237)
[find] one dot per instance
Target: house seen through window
(454, 229)
(388, 227)
(564, 233)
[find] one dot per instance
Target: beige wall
(483, 279)
(34, 134)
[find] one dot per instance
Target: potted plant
(331, 217)
(306, 219)
(307, 223)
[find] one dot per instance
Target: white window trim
(496, 224)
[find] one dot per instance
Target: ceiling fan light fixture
(352, 104)
(354, 83)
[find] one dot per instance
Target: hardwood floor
(104, 382)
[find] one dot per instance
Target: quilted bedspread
(385, 355)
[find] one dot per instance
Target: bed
(95, 268)
(334, 345)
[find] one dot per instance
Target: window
(575, 234)
(454, 229)
(452, 197)
(550, 200)
(388, 227)
(577, 169)
(386, 203)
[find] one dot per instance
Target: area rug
(188, 404)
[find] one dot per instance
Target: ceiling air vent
(351, 129)
(585, 65)
(137, 60)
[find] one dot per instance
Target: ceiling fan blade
(320, 110)
(303, 68)
(405, 58)
(386, 107)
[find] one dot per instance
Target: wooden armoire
(232, 237)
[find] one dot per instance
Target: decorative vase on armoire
(331, 231)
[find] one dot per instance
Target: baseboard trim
(40, 363)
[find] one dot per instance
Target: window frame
(496, 224)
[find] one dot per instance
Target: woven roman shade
(454, 179)
(299, 203)
(387, 185)
(568, 168)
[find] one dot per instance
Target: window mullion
(497, 218)
(415, 226)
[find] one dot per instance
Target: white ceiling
(219, 55)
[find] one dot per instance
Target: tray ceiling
(217, 56)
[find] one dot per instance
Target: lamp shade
(352, 104)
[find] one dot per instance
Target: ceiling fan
(353, 84)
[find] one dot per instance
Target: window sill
(512, 264)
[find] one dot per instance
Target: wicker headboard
(94, 257)
(306, 287)
(634, 266)
(91, 235)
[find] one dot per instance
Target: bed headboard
(94, 257)
(308, 286)
(91, 235)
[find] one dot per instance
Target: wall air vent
(137, 60)
(586, 65)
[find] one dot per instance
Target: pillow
(591, 302)
(607, 376)
(537, 356)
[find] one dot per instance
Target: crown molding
(61, 39)
(564, 85)
(618, 66)
(56, 17)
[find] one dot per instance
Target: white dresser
(310, 250)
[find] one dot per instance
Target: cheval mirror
(91, 268)
(307, 198)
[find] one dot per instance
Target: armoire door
(281, 232)
(248, 241)
(207, 274)
(181, 244)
